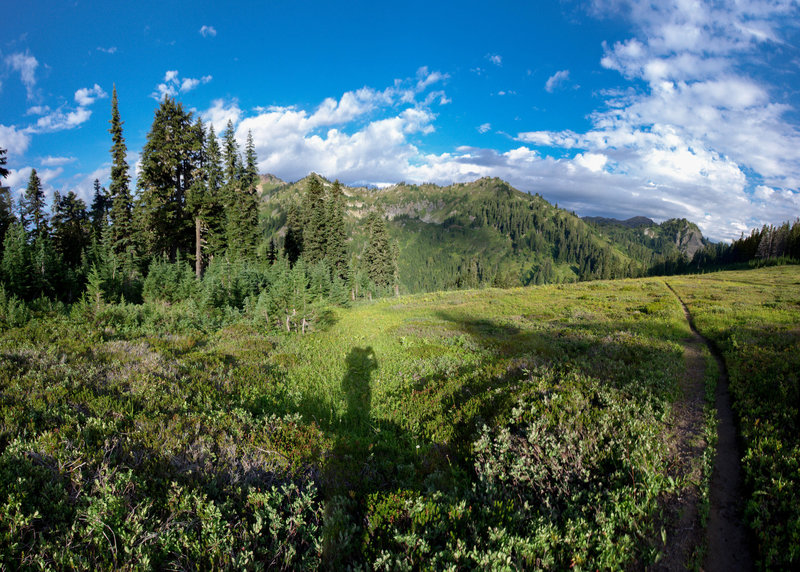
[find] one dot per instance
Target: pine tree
(3, 169)
(7, 217)
(243, 207)
(168, 167)
(17, 265)
(32, 206)
(119, 199)
(314, 219)
(196, 194)
(214, 204)
(71, 228)
(336, 244)
(380, 254)
(99, 212)
(293, 242)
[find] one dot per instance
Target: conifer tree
(336, 244)
(314, 221)
(71, 229)
(3, 169)
(196, 193)
(32, 206)
(16, 264)
(214, 204)
(99, 212)
(293, 242)
(169, 166)
(7, 217)
(380, 254)
(119, 199)
(243, 207)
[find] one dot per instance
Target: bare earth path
(726, 537)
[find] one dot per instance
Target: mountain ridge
(488, 232)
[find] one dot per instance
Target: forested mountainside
(488, 233)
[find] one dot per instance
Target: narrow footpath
(726, 537)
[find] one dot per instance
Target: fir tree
(71, 228)
(99, 212)
(169, 166)
(314, 221)
(213, 212)
(32, 206)
(380, 254)
(243, 207)
(119, 200)
(7, 217)
(336, 244)
(17, 264)
(293, 242)
(3, 169)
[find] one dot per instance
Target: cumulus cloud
(208, 31)
(556, 80)
(15, 140)
(173, 84)
(686, 139)
(25, 64)
(220, 113)
(60, 120)
(86, 96)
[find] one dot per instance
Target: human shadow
(360, 362)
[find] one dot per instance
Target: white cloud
(60, 120)
(111, 50)
(87, 95)
(556, 80)
(26, 65)
(57, 161)
(38, 110)
(495, 59)
(220, 113)
(484, 128)
(16, 141)
(173, 84)
(208, 31)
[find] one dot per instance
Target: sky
(673, 108)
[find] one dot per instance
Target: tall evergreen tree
(119, 201)
(314, 221)
(242, 208)
(32, 206)
(71, 228)
(214, 204)
(336, 244)
(169, 166)
(293, 242)
(232, 163)
(380, 254)
(7, 217)
(3, 169)
(99, 211)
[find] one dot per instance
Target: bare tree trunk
(397, 290)
(304, 325)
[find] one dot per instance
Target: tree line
(195, 207)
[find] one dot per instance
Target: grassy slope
(481, 426)
(469, 426)
(753, 317)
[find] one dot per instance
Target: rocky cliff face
(686, 235)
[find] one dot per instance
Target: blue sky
(611, 107)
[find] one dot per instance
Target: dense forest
(202, 224)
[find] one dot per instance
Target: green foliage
(167, 282)
(119, 194)
(753, 317)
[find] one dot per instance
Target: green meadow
(527, 428)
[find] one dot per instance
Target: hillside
(668, 238)
(484, 233)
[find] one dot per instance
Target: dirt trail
(726, 537)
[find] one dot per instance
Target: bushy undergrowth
(474, 429)
(753, 317)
